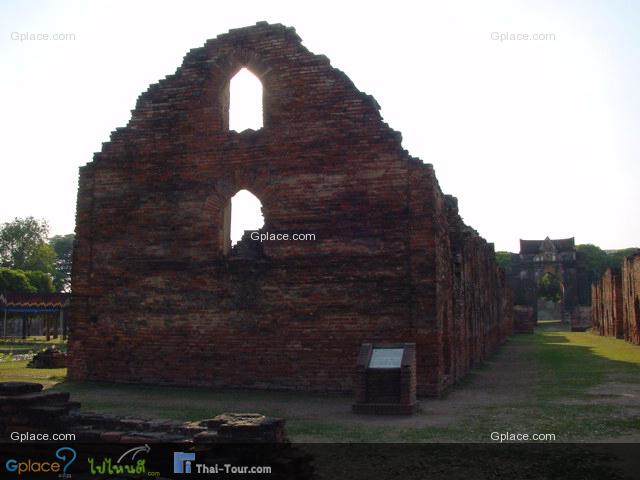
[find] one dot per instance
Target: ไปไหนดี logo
(119, 467)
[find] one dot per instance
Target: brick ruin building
(616, 302)
(560, 259)
(159, 297)
(606, 295)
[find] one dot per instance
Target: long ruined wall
(158, 299)
(631, 299)
(616, 302)
(606, 298)
(482, 302)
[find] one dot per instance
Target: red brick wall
(524, 319)
(631, 299)
(606, 304)
(156, 300)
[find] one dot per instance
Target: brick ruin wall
(156, 299)
(616, 302)
(631, 299)
(607, 309)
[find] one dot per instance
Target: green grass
(18, 372)
(12, 370)
(30, 344)
(573, 362)
(568, 366)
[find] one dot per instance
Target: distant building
(556, 257)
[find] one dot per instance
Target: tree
(550, 288)
(23, 245)
(503, 259)
(63, 247)
(41, 281)
(595, 260)
(42, 260)
(15, 281)
(616, 257)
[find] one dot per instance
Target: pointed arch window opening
(245, 102)
(242, 216)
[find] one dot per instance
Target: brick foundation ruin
(159, 297)
(616, 302)
(48, 358)
(26, 407)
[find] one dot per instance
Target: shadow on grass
(574, 362)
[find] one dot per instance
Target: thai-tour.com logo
(182, 461)
(64, 457)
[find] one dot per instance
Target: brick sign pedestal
(386, 379)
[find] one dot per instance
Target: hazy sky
(534, 137)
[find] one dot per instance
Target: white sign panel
(386, 358)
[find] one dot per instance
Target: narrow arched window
(245, 102)
(242, 216)
(246, 215)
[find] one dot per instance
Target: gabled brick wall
(155, 298)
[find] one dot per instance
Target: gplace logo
(182, 461)
(65, 454)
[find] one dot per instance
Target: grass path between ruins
(578, 386)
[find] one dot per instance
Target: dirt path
(506, 378)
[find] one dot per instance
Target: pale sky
(535, 138)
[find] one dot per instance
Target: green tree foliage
(598, 260)
(616, 257)
(25, 251)
(23, 244)
(63, 247)
(503, 259)
(595, 260)
(42, 260)
(41, 281)
(15, 281)
(549, 288)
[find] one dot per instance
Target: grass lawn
(30, 344)
(578, 386)
(13, 367)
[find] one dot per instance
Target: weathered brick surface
(631, 299)
(155, 298)
(606, 306)
(581, 319)
(524, 319)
